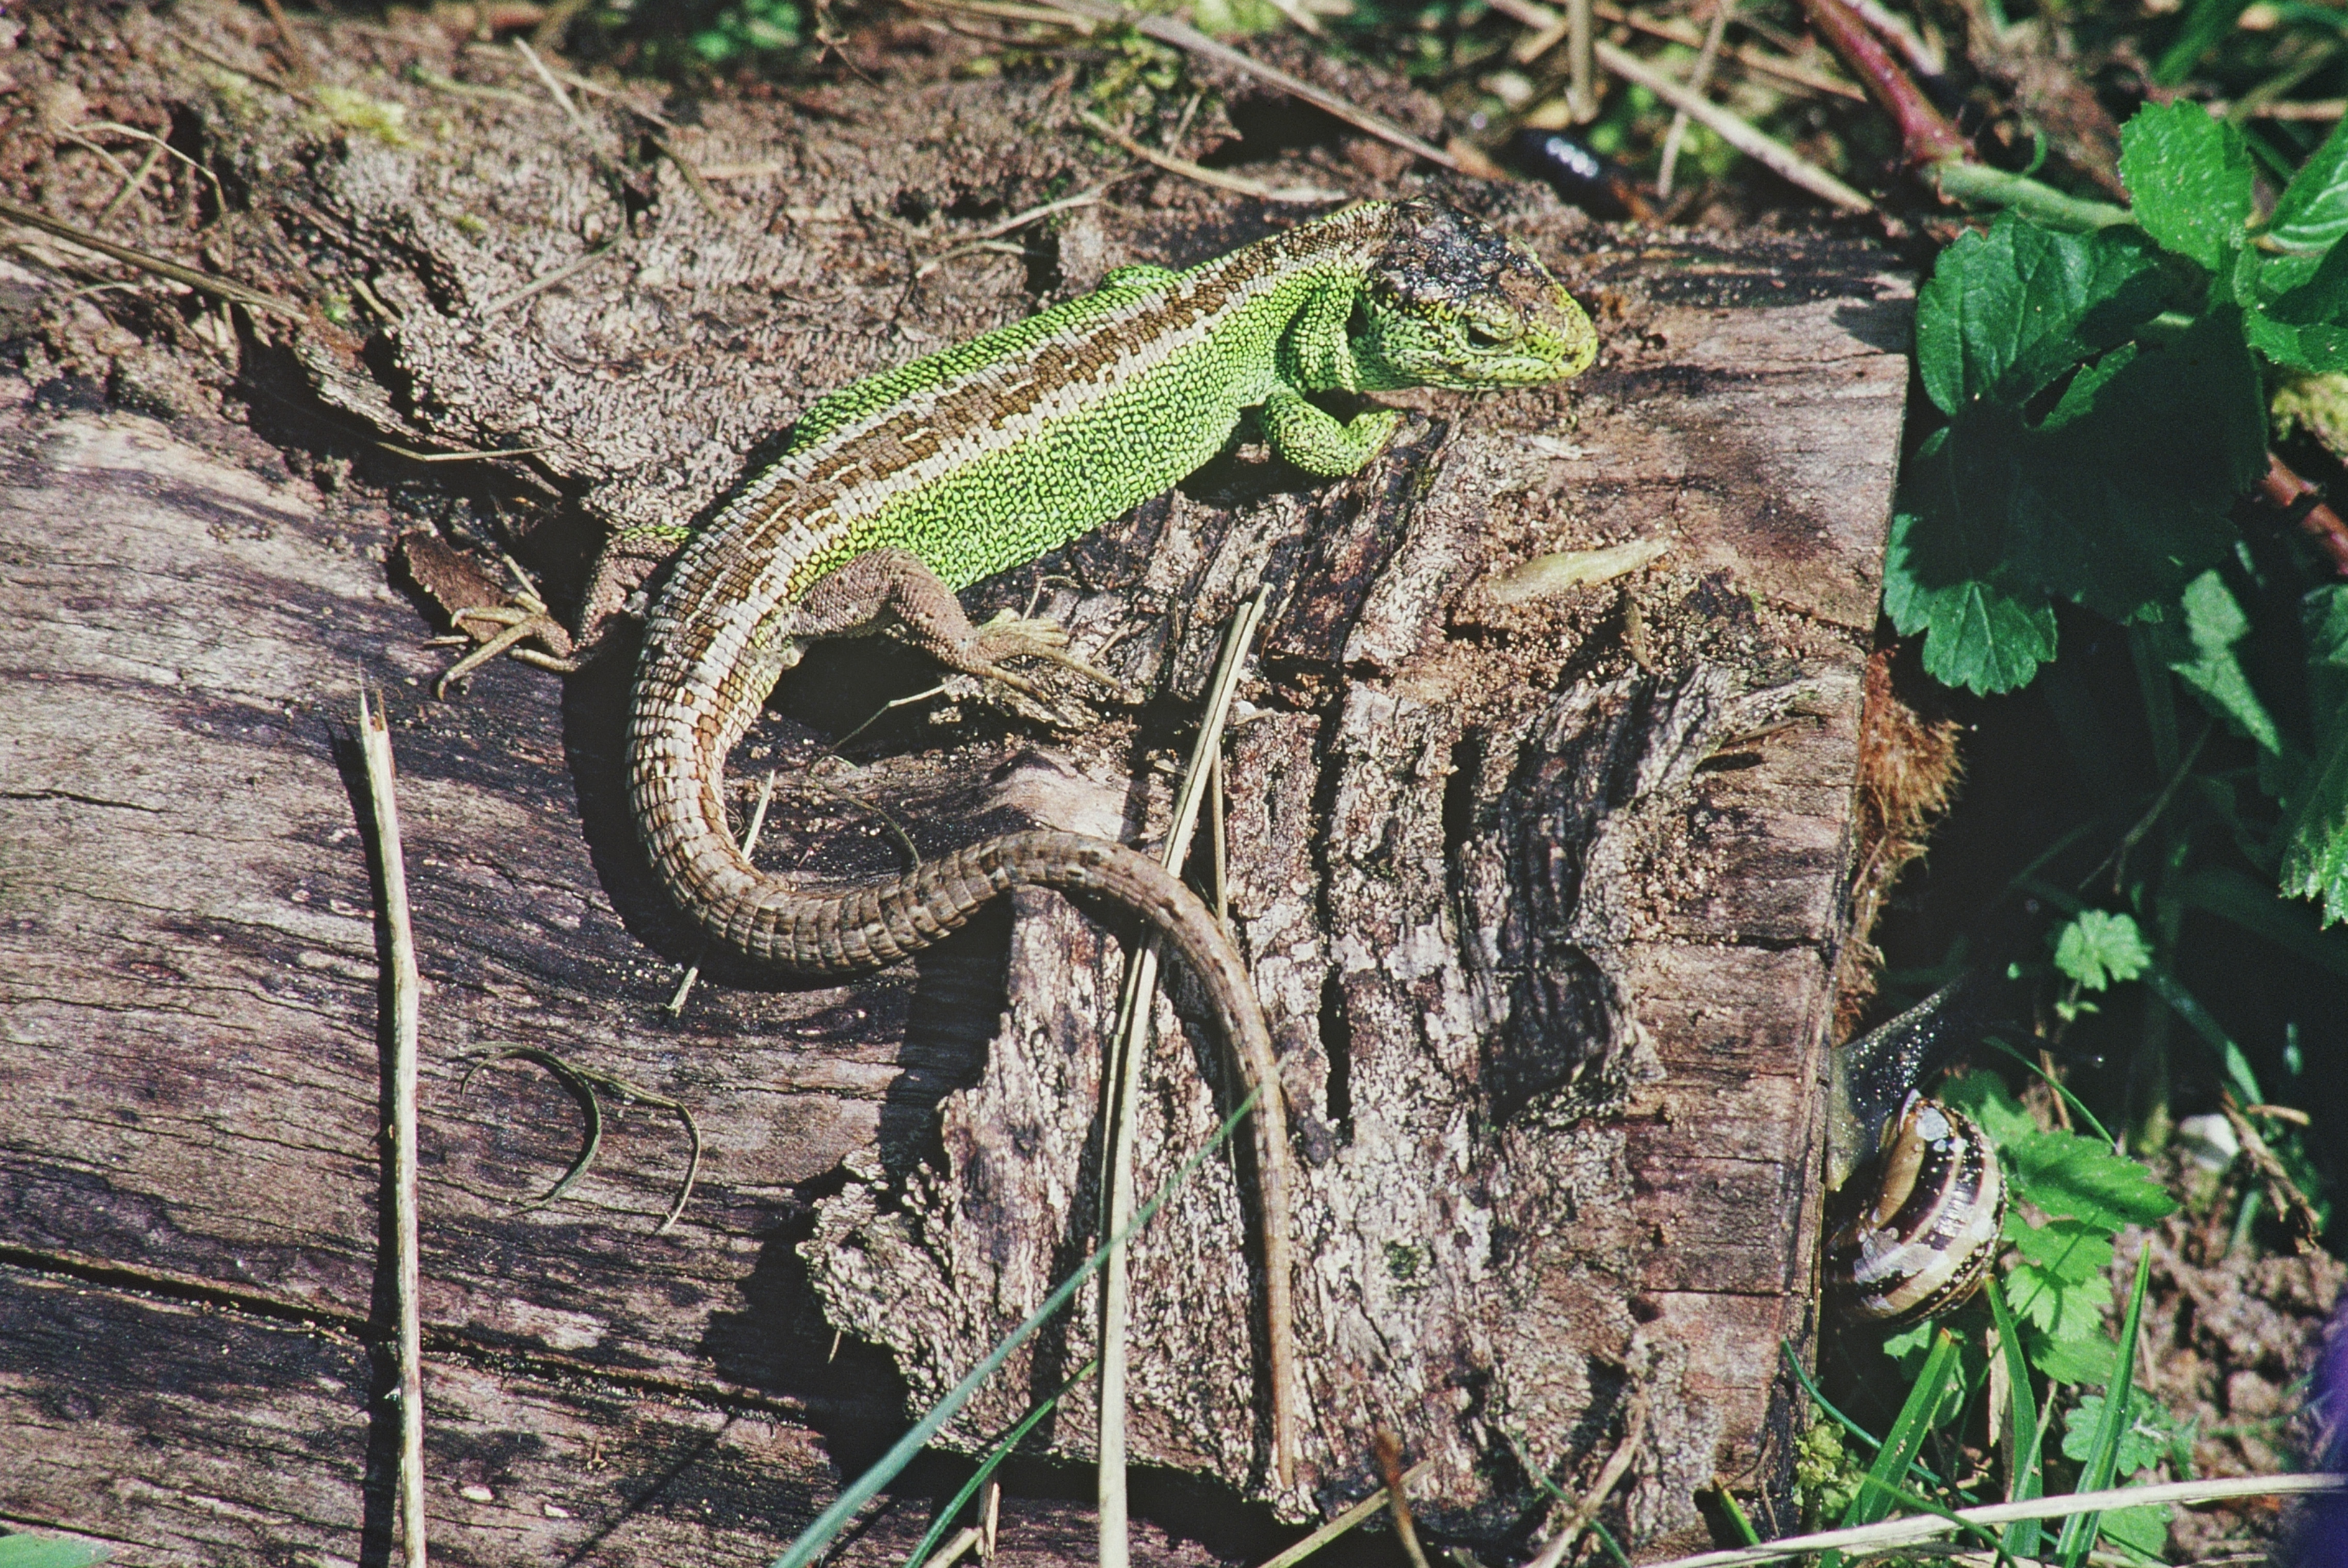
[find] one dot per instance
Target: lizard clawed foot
(522, 623)
(1011, 635)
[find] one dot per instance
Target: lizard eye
(1481, 334)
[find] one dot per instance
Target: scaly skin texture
(903, 488)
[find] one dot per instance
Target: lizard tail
(770, 918)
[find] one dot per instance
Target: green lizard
(902, 489)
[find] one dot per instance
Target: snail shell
(1927, 1217)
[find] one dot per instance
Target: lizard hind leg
(895, 591)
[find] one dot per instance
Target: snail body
(1922, 1198)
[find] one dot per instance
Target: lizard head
(1450, 302)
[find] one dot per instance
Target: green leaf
(2072, 1177)
(1942, 571)
(2060, 1308)
(2189, 178)
(2100, 947)
(2316, 839)
(2007, 312)
(2085, 1359)
(2069, 1250)
(2203, 658)
(2141, 1530)
(2126, 494)
(2144, 1440)
(49, 1551)
(2312, 214)
(1985, 1097)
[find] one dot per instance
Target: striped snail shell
(1925, 1223)
(1921, 1198)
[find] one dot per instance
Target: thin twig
(251, 73)
(2284, 488)
(415, 457)
(1776, 155)
(970, 242)
(137, 181)
(297, 58)
(1699, 78)
(568, 270)
(1580, 62)
(1189, 39)
(951, 1551)
(2298, 1215)
(691, 175)
(1386, 1449)
(1122, 1070)
(749, 846)
(1924, 1527)
(554, 88)
(1618, 1464)
(219, 288)
(1369, 1508)
(1299, 195)
(404, 986)
(219, 193)
(1548, 29)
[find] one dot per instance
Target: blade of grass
(2103, 1456)
(2025, 1477)
(994, 1462)
(1817, 1396)
(1915, 1419)
(864, 1488)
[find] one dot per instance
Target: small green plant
(2100, 409)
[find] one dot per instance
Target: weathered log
(1544, 898)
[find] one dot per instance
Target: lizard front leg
(1317, 441)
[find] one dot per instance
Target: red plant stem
(2283, 489)
(1925, 134)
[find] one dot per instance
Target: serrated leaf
(2315, 849)
(2007, 312)
(2145, 1441)
(2188, 176)
(2098, 946)
(2085, 1359)
(1985, 1097)
(2071, 1177)
(2315, 349)
(2060, 1308)
(2311, 213)
(1943, 573)
(2315, 842)
(2119, 504)
(2069, 1250)
(2143, 1530)
(2206, 662)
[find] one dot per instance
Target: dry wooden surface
(1544, 898)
